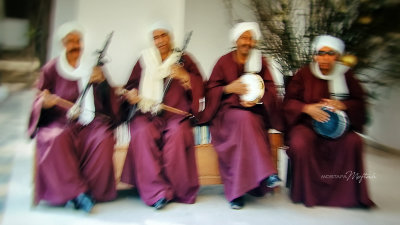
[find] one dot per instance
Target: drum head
(335, 127)
(255, 86)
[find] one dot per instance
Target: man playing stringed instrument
(239, 127)
(74, 151)
(161, 160)
(323, 168)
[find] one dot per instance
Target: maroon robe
(161, 160)
(312, 157)
(239, 134)
(72, 158)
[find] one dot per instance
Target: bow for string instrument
(162, 106)
(75, 109)
(67, 105)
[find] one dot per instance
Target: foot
(237, 203)
(84, 202)
(273, 181)
(161, 203)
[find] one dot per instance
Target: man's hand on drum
(316, 112)
(236, 87)
(179, 73)
(335, 104)
(48, 99)
(239, 88)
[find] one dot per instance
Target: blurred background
(370, 29)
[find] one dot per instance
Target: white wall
(211, 23)
(63, 11)
(385, 120)
(129, 19)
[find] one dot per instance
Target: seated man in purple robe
(73, 150)
(239, 128)
(161, 160)
(325, 170)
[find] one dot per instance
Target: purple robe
(72, 158)
(161, 160)
(319, 165)
(239, 134)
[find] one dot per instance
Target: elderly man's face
(73, 44)
(326, 58)
(162, 41)
(245, 43)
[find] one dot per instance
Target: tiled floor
(210, 208)
(13, 110)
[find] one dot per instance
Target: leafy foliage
(369, 28)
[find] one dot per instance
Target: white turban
(81, 74)
(67, 28)
(328, 41)
(160, 25)
(240, 28)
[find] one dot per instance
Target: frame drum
(255, 87)
(335, 127)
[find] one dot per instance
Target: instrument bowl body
(335, 127)
(255, 87)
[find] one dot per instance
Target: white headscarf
(328, 41)
(254, 61)
(154, 71)
(67, 28)
(81, 74)
(160, 25)
(240, 28)
(336, 80)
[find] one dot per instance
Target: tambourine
(335, 127)
(255, 87)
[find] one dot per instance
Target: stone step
(19, 71)
(19, 65)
